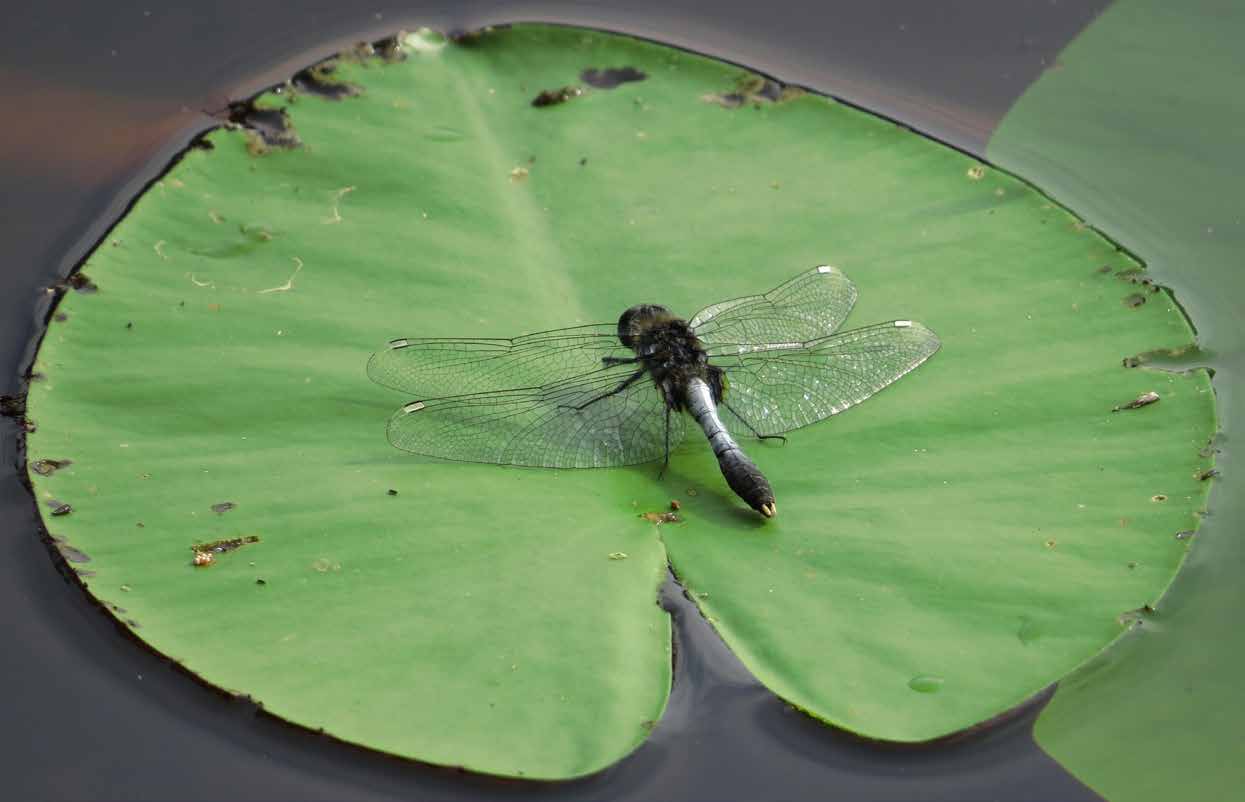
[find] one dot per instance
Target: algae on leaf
(943, 552)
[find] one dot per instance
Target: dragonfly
(607, 395)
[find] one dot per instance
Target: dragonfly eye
(638, 320)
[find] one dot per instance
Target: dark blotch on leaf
(554, 97)
(72, 554)
(612, 77)
(359, 52)
(756, 90)
(59, 507)
(1134, 618)
(1210, 473)
(223, 506)
(60, 317)
(13, 406)
(392, 492)
(46, 467)
(1134, 300)
(389, 48)
(1177, 360)
(78, 282)
(271, 126)
(477, 38)
(318, 80)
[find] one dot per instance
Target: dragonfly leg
(752, 428)
(627, 382)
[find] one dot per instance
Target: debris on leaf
(675, 504)
(59, 507)
(1143, 400)
(518, 174)
(1210, 473)
(554, 97)
(661, 517)
(289, 282)
(223, 507)
(205, 553)
(618, 555)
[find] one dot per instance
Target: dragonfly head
(640, 320)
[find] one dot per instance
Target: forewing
(778, 387)
(432, 367)
(811, 305)
(540, 426)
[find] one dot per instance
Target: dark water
(99, 97)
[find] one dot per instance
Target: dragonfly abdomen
(741, 473)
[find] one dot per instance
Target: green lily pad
(941, 553)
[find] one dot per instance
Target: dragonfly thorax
(669, 350)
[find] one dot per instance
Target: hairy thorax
(669, 351)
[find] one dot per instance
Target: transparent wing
(539, 426)
(811, 305)
(440, 366)
(782, 386)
